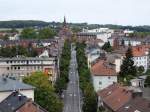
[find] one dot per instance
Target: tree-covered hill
(74, 26)
(22, 23)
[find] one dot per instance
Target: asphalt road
(72, 94)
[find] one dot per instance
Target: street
(72, 94)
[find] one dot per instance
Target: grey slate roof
(7, 84)
(13, 102)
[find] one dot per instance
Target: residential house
(139, 81)
(138, 104)
(103, 74)
(17, 102)
(93, 53)
(118, 98)
(115, 59)
(7, 86)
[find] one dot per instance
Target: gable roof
(139, 51)
(18, 102)
(136, 105)
(115, 96)
(7, 84)
(13, 102)
(101, 68)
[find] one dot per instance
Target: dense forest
(74, 26)
(22, 24)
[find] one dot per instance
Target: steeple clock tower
(65, 32)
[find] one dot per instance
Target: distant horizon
(117, 12)
(68, 22)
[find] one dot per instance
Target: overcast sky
(124, 12)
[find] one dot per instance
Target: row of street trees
(31, 33)
(89, 95)
(62, 81)
(44, 93)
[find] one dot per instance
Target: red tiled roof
(101, 69)
(30, 106)
(139, 51)
(115, 96)
(139, 103)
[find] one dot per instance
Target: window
(100, 83)
(7, 68)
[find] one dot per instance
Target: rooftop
(138, 104)
(139, 51)
(12, 102)
(16, 102)
(7, 84)
(101, 68)
(115, 96)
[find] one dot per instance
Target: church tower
(64, 23)
(65, 31)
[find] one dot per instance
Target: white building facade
(19, 67)
(141, 57)
(101, 82)
(103, 75)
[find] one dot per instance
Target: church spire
(64, 24)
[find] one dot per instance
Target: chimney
(19, 96)
(138, 48)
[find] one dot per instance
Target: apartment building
(140, 56)
(19, 67)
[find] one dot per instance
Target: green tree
(107, 47)
(46, 33)
(18, 50)
(140, 70)
(62, 81)
(147, 81)
(28, 33)
(128, 70)
(90, 98)
(13, 30)
(44, 92)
